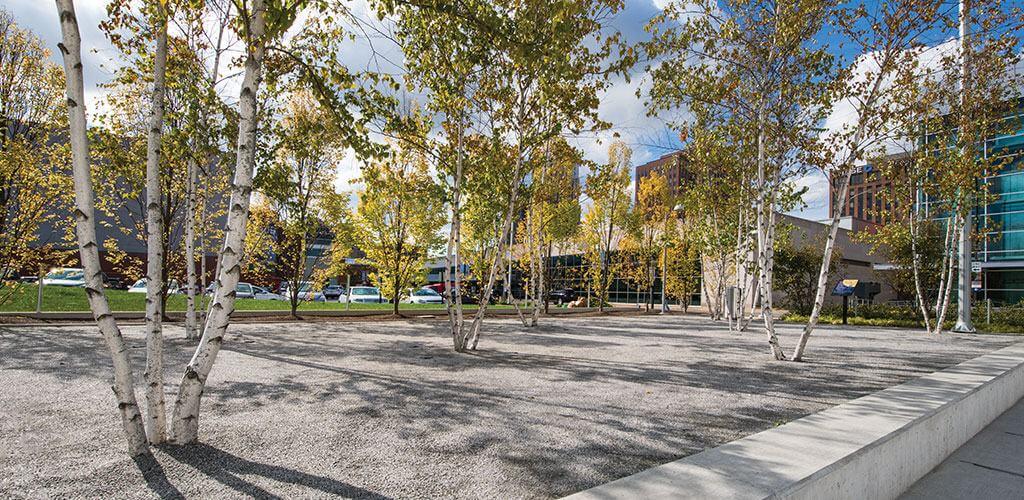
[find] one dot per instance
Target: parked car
(334, 292)
(140, 286)
(423, 296)
(65, 276)
(114, 283)
(562, 296)
(469, 291)
(245, 291)
(363, 295)
(306, 292)
(260, 293)
(242, 290)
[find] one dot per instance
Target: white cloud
(816, 197)
(41, 18)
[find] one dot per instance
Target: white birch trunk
(485, 298)
(866, 114)
(764, 243)
(156, 415)
(123, 387)
(453, 270)
(826, 263)
(186, 406)
(944, 274)
(191, 331)
(946, 287)
(916, 265)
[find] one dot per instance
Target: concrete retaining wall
(874, 447)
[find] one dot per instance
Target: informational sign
(844, 288)
(976, 285)
(975, 267)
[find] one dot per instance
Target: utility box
(732, 301)
(867, 290)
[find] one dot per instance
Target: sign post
(844, 289)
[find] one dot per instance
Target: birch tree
(124, 388)
(444, 54)
(544, 69)
(607, 189)
(885, 37)
(958, 132)
(397, 222)
(718, 208)
(156, 415)
(203, 136)
(754, 65)
(553, 215)
(259, 23)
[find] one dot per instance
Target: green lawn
(828, 319)
(58, 298)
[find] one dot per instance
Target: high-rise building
(998, 249)
(867, 204)
(671, 165)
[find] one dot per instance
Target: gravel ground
(386, 409)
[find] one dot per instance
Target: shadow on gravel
(156, 478)
(229, 470)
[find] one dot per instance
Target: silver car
(363, 295)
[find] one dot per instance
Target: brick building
(671, 165)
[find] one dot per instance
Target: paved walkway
(989, 466)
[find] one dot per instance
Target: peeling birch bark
(191, 331)
(123, 387)
(185, 423)
(855, 152)
(156, 414)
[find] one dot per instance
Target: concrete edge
(875, 446)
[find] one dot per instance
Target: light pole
(664, 274)
(664, 260)
(963, 306)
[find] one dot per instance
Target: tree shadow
(156, 478)
(229, 470)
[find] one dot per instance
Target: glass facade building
(999, 224)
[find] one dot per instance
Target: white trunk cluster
(949, 264)
(156, 419)
(453, 264)
(123, 387)
(185, 424)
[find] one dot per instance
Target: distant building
(866, 204)
(672, 166)
(998, 251)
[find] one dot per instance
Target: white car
(65, 276)
(140, 286)
(260, 293)
(363, 295)
(423, 296)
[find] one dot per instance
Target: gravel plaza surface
(386, 409)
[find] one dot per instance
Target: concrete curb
(876, 446)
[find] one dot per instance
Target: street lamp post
(664, 262)
(963, 319)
